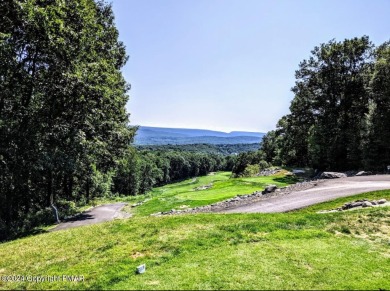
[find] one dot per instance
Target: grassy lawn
(183, 194)
(297, 250)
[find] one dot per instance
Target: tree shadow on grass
(79, 217)
(289, 179)
(27, 233)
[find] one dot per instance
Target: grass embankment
(183, 195)
(298, 250)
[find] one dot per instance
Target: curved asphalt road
(324, 191)
(98, 214)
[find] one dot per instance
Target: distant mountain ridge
(147, 135)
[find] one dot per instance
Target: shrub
(251, 170)
(263, 165)
(65, 208)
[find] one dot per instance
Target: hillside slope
(159, 136)
(343, 251)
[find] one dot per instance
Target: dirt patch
(137, 255)
(204, 187)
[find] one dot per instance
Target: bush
(101, 183)
(65, 208)
(251, 170)
(263, 165)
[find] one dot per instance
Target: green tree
(334, 78)
(325, 128)
(62, 102)
(377, 145)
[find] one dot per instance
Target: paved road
(325, 191)
(98, 214)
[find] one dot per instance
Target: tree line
(340, 116)
(140, 170)
(222, 149)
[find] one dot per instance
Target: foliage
(339, 115)
(376, 146)
(139, 171)
(251, 170)
(253, 160)
(63, 122)
(221, 149)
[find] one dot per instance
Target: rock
(268, 172)
(373, 202)
(156, 214)
(332, 175)
(357, 204)
(346, 206)
(382, 201)
(367, 204)
(270, 189)
(298, 171)
(363, 173)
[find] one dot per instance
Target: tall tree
(62, 101)
(377, 146)
(326, 126)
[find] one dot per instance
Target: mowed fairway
(183, 195)
(300, 250)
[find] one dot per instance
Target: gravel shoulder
(98, 214)
(324, 191)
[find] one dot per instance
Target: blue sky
(229, 64)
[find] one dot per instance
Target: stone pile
(203, 187)
(332, 175)
(268, 172)
(335, 175)
(361, 203)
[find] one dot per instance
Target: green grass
(297, 250)
(301, 250)
(341, 201)
(182, 195)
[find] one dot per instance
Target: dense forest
(340, 116)
(219, 149)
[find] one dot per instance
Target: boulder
(298, 171)
(270, 189)
(367, 204)
(268, 172)
(347, 206)
(382, 201)
(363, 173)
(332, 175)
(357, 204)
